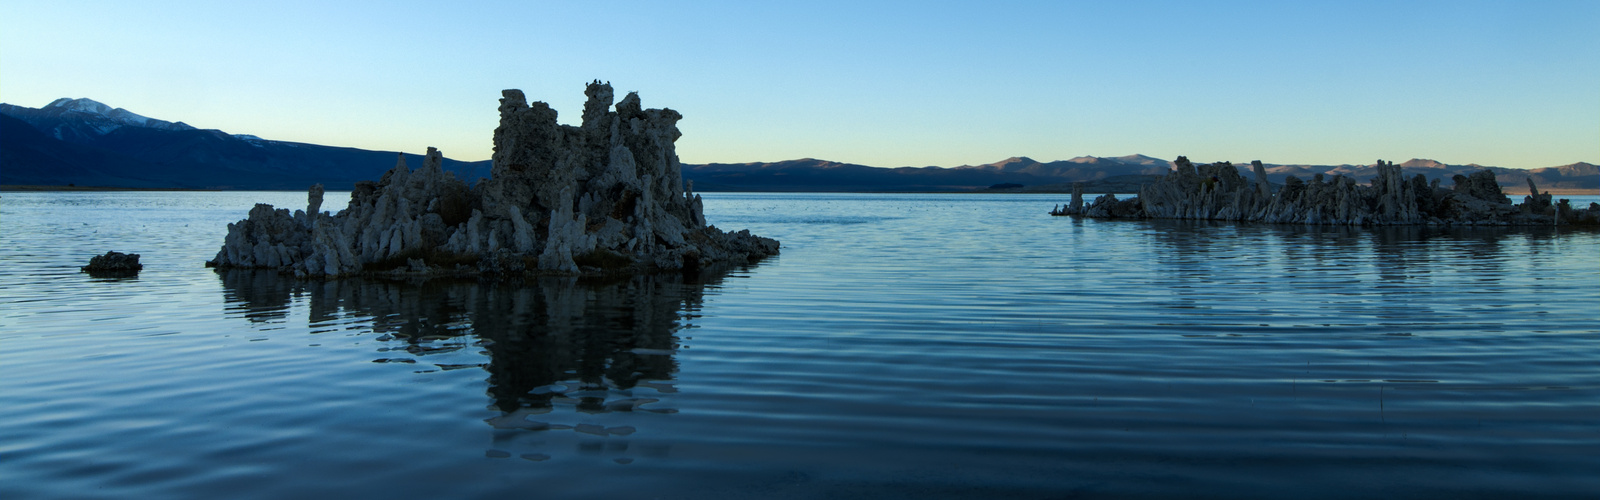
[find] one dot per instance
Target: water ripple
(902, 345)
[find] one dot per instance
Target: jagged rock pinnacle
(606, 196)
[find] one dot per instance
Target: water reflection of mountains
(549, 341)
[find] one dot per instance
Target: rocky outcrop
(1217, 192)
(113, 263)
(603, 197)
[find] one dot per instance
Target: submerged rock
(604, 197)
(113, 263)
(1217, 192)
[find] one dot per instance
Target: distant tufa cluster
(1217, 192)
(604, 197)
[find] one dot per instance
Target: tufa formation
(1217, 192)
(604, 197)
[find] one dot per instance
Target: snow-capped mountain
(85, 142)
(83, 120)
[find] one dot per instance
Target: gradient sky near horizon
(1512, 84)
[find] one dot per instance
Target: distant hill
(811, 174)
(1100, 175)
(87, 143)
(83, 142)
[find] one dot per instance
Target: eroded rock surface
(1217, 192)
(604, 197)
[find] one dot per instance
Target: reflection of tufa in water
(548, 344)
(1218, 192)
(574, 356)
(604, 197)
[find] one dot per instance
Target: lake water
(913, 345)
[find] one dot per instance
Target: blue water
(905, 345)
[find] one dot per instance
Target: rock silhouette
(604, 197)
(113, 263)
(1217, 192)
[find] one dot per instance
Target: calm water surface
(901, 346)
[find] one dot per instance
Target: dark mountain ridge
(1100, 174)
(83, 142)
(80, 141)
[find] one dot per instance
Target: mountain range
(86, 143)
(1120, 174)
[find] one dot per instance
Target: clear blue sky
(1514, 84)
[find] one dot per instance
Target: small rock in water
(114, 262)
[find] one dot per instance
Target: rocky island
(1218, 192)
(604, 197)
(113, 264)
